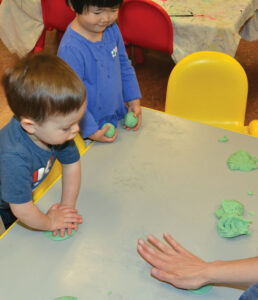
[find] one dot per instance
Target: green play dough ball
(66, 298)
(202, 290)
(111, 131)
(130, 120)
(49, 235)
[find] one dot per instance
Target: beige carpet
(152, 76)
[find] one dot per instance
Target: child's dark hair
(42, 85)
(80, 5)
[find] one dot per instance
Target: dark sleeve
(67, 153)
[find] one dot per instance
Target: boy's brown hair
(42, 85)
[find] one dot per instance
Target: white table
(215, 25)
(171, 175)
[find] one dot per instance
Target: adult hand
(173, 264)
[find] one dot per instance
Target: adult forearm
(242, 272)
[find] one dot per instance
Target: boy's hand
(135, 107)
(63, 217)
(99, 135)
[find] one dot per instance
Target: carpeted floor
(153, 75)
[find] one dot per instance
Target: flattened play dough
(111, 131)
(202, 290)
(230, 207)
(130, 120)
(242, 161)
(223, 139)
(49, 235)
(66, 298)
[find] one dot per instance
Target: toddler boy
(48, 99)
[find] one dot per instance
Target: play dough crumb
(111, 131)
(49, 235)
(223, 139)
(66, 298)
(251, 213)
(242, 161)
(250, 193)
(130, 120)
(202, 290)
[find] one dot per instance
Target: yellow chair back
(209, 87)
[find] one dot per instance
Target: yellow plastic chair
(209, 87)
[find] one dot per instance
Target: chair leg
(138, 53)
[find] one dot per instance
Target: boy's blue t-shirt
(106, 72)
(24, 165)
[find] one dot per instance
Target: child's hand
(62, 217)
(135, 106)
(99, 135)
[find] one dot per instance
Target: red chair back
(56, 15)
(145, 23)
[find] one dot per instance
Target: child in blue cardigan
(93, 46)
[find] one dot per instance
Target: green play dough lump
(66, 298)
(111, 131)
(231, 222)
(202, 290)
(230, 207)
(49, 235)
(242, 161)
(231, 226)
(223, 139)
(130, 120)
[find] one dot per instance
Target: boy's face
(95, 20)
(57, 129)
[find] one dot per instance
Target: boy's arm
(71, 181)
(56, 218)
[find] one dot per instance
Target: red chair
(146, 24)
(56, 15)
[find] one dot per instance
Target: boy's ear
(28, 125)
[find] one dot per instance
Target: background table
(171, 175)
(217, 25)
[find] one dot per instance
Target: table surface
(217, 25)
(171, 175)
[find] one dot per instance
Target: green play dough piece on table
(66, 298)
(202, 290)
(230, 207)
(242, 161)
(111, 131)
(231, 226)
(223, 139)
(49, 235)
(130, 120)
